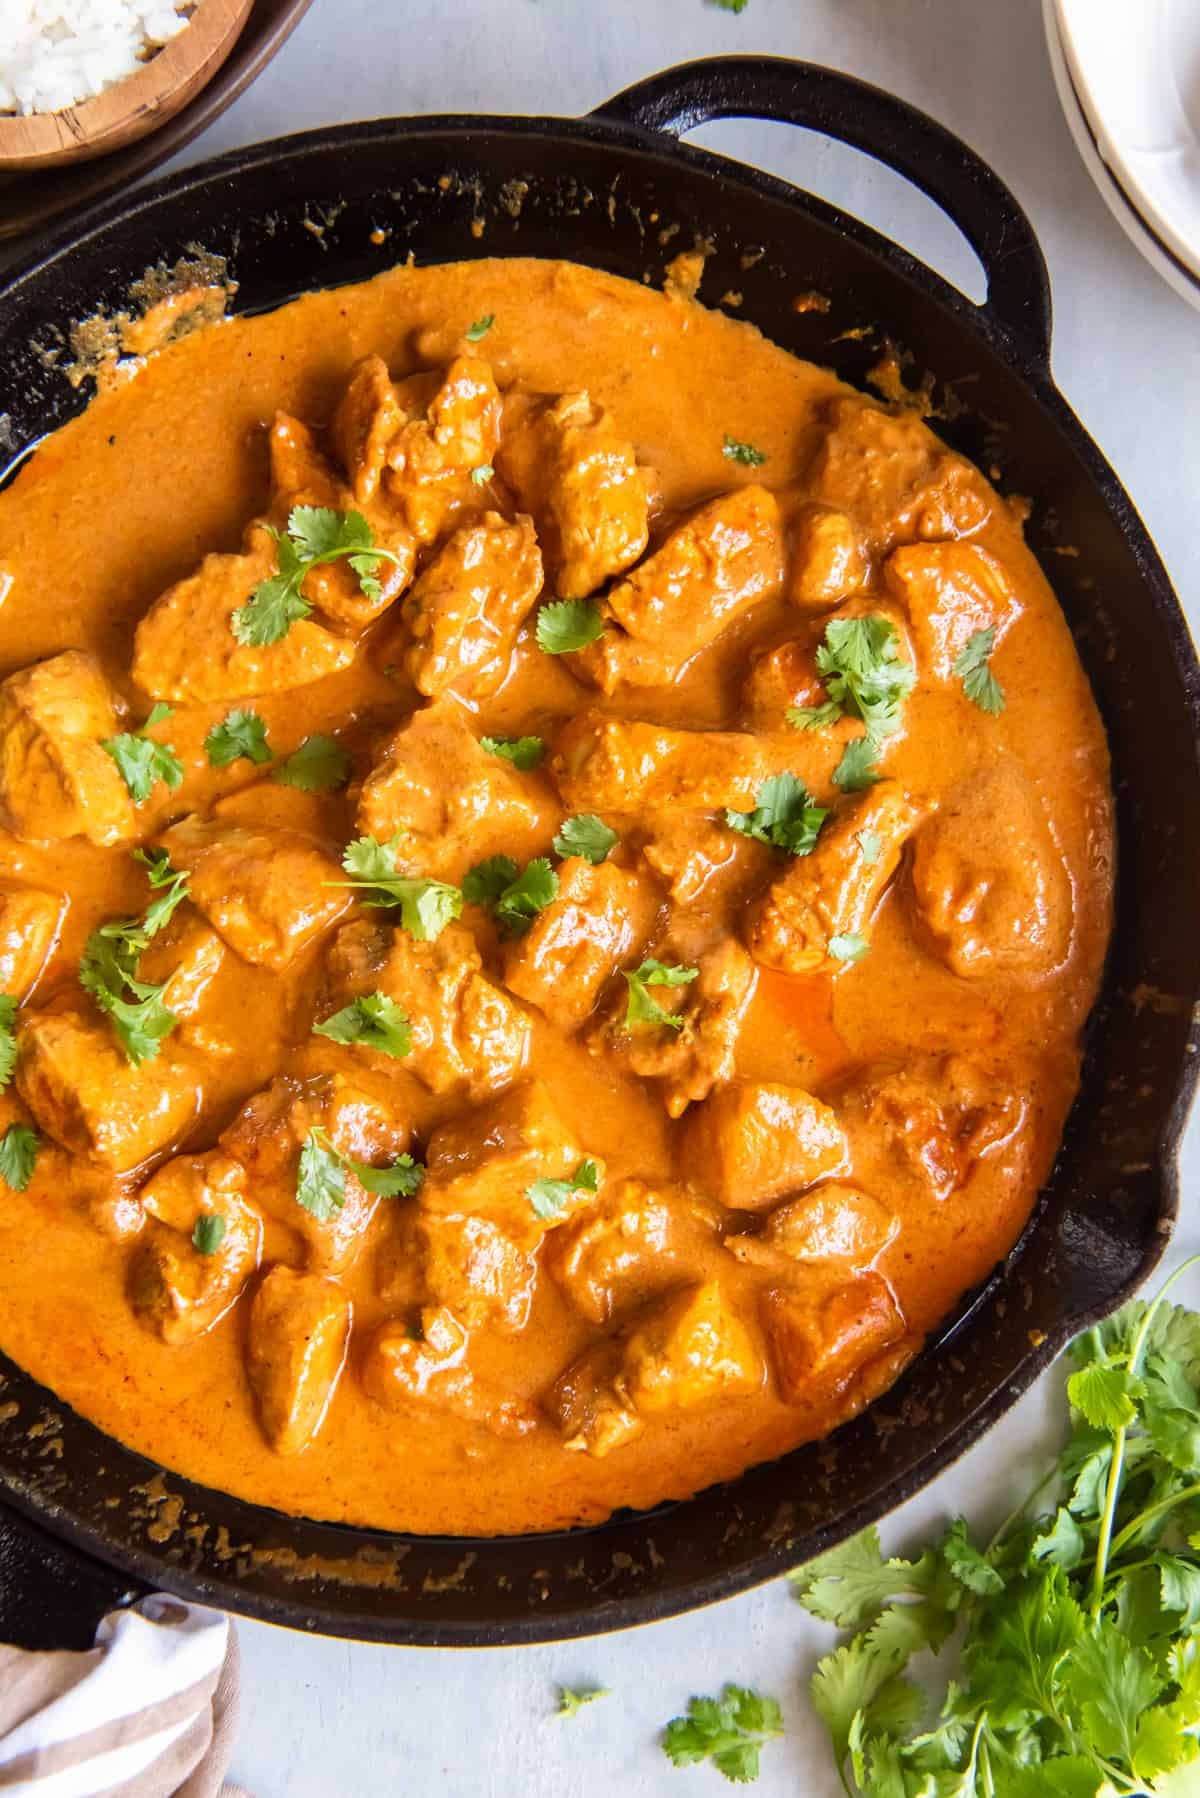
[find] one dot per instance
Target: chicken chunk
(485, 1161)
(779, 678)
(465, 1033)
(268, 893)
(820, 1336)
(184, 648)
(833, 892)
(455, 803)
(695, 855)
(988, 879)
(56, 779)
(897, 481)
(689, 1060)
(462, 617)
(85, 1093)
(179, 1286)
(834, 1224)
(429, 1372)
(451, 427)
(30, 920)
(185, 959)
(368, 417)
(723, 559)
(476, 1271)
(570, 467)
(929, 1122)
(635, 1242)
(746, 1144)
(826, 562)
(302, 476)
(588, 1404)
(950, 591)
(605, 764)
(601, 917)
(355, 1118)
(296, 1348)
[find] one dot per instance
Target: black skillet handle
(907, 140)
(51, 1596)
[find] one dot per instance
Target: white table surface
(325, 1718)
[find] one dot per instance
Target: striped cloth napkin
(150, 1712)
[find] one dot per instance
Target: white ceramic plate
(1173, 269)
(1135, 66)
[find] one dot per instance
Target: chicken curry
(555, 862)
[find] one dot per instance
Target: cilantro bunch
(864, 678)
(1078, 1628)
(108, 970)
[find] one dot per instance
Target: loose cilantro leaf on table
(142, 761)
(730, 1731)
(425, 906)
(239, 733)
(585, 835)
(314, 535)
(480, 328)
(730, 5)
(208, 1233)
(321, 1177)
(784, 815)
(523, 752)
(1078, 1628)
(570, 1702)
(109, 968)
(550, 1198)
(18, 1156)
(8, 1038)
(971, 666)
(567, 624)
(374, 1021)
(643, 1007)
(744, 453)
(320, 765)
(515, 897)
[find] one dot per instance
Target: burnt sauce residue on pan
(724, 1095)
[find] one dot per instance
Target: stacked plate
(1128, 76)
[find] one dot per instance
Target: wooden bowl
(133, 107)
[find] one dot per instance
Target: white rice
(56, 53)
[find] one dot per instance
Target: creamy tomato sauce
(773, 1176)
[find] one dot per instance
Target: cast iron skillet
(603, 190)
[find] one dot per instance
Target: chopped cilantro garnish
(515, 897)
(587, 836)
(142, 761)
(483, 474)
(857, 769)
(978, 682)
(209, 1233)
(745, 453)
(320, 765)
(18, 1156)
(372, 1020)
(109, 968)
(314, 535)
(870, 844)
(550, 1198)
(321, 1177)
(568, 624)
(784, 815)
(864, 677)
(480, 328)
(426, 906)
(523, 752)
(848, 947)
(8, 1038)
(642, 1007)
(239, 733)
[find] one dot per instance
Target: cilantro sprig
(730, 1731)
(523, 752)
(109, 968)
(642, 1007)
(314, 535)
(322, 1171)
(320, 765)
(785, 815)
(513, 895)
(971, 666)
(548, 1199)
(372, 1020)
(425, 906)
(1078, 1626)
(239, 734)
(585, 835)
(568, 624)
(142, 761)
(864, 678)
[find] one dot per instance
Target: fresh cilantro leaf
(857, 769)
(523, 752)
(142, 761)
(730, 1731)
(871, 846)
(568, 624)
(426, 906)
(109, 968)
(480, 328)
(374, 1021)
(483, 474)
(515, 898)
(18, 1156)
(170, 886)
(735, 451)
(814, 717)
(320, 765)
(402, 1180)
(315, 535)
(971, 665)
(320, 1178)
(730, 5)
(1062, 1545)
(785, 815)
(966, 1563)
(642, 1007)
(570, 1702)
(864, 675)
(239, 733)
(8, 1038)
(585, 835)
(209, 1233)
(848, 947)
(1103, 1396)
(550, 1198)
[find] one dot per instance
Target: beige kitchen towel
(150, 1712)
